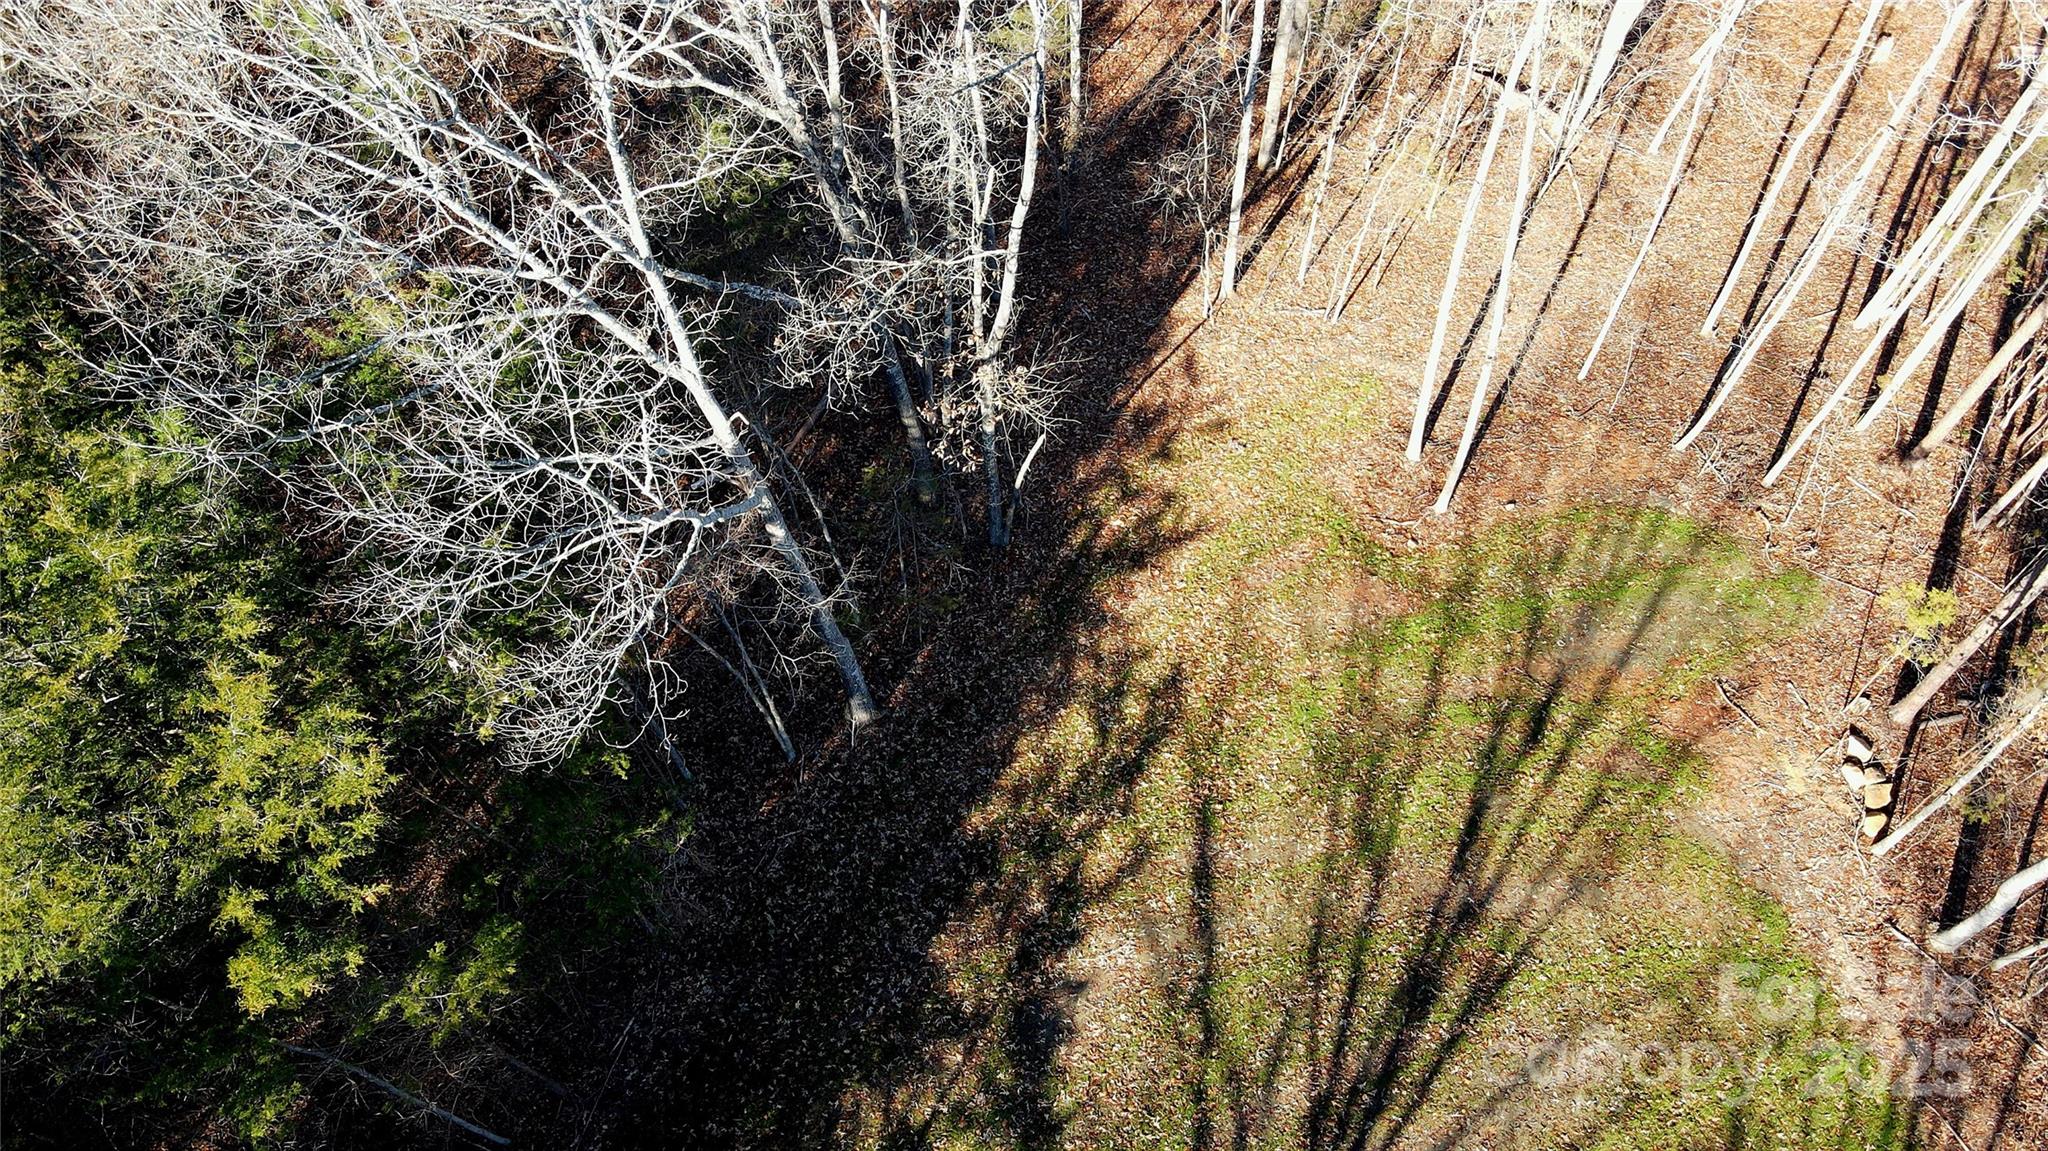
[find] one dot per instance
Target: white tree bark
(361, 140)
(2011, 607)
(1292, 13)
(1961, 783)
(1592, 87)
(1989, 260)
(1379, 141)
(1500, 303)
(1848, 202)
(1425, 389)
(1354, 70)
(1964, 404)
(2008, 896)
(2018, 490)
(1698, 95)
(1822, 113)
(2023, 954)
(1244, 148)
(1702, 60)
(1960, 207)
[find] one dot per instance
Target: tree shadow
(875, 946)
(801, 982)
(1473, 804)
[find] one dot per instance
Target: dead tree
(958, 153)
(1823, 113)
(2014, 604)
(1503, 294)
(2014, 729)
(1392, 126)
(976, 168)
(563, 458)
(1291, 28)
(1848, 201)
(2022, 486)
(1961, 205)
(1698, 94)
(1244, 151)
(1510, 92)
(1587, 97)
(1333, 128)
(2016, 887)
(1989, 260)
(1981, 385)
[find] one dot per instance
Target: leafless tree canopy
(429, 263)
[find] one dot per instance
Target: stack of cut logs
(1867, 781)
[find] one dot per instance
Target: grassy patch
(1362, 850)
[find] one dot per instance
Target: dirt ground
(948, 925)
(1850, 514)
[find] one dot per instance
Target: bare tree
(1848, 200)
(562, 471)
(1697, 95)
(2022, 335)
(1248, 90)
(2011, 607)
(1503, 293)
(2022, 486)
(1291, 28)
(1989, 260)
(2014, 729)
(1590, 93)
(1425, 390)
(2016, 887)
(1333, 128)
(1823, 113)
(1960, 207)
(965, 123)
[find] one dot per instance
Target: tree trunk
(860, 704)
(1341, 285)
(1702, 61)
(1817, 248)
(991, 463)
(923, 476)
(1006, 293)
(1936, 329)
(885, 37)
(1958, 210)
(1821, 114)
(1498, 311)
(397, 1092)
(1699, 97)
(1335, 128)
(2026, 482)
(1076, 111)
(2008, 896)
(1425, 390)
(1965, 403)
(1996, 620)
(2021, 956)
(1244, 148)
(1621, 19)
(1276, 80)
(1963, 781)
(1989, 262)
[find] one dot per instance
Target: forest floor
(1249, 805)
